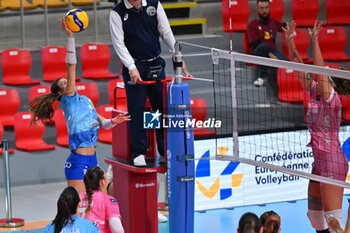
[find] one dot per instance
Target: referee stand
(135, 188)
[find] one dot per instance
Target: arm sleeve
(117, 35)
(164, 28)
(116, 225)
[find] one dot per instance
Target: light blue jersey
(81, 119)
(77, 225)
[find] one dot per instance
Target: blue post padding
(179, 143)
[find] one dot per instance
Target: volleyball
(77, 20)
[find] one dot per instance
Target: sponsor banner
(225, 184)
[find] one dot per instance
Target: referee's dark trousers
(136, 96)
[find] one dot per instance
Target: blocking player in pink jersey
(323, 122)
(97, 206)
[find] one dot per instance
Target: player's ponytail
(249, 223)
(66, 207)
(41, 106)
(92, 182)
(270, 221)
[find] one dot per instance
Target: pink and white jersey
(323, 121)
(103, 207)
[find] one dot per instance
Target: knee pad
(317, 219)
(334, 219)
(314, 203)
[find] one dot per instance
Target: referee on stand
(135, 27)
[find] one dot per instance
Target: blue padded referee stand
(180, 154)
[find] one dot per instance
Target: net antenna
(257, 130)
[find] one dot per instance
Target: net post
(9, 221)
(178, 63)
(234, 110)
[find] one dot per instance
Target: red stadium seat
(345, 101)
(116, 87)
(289, 87)
(11, 151)
(199, 112)
(332, 42)
(62, 137)
(305, 12)
(90, 90)
(15, 65)
(95, 59)
(236, 14)
(9, 105)
(105, 135)
(302, 42)
(53, 60)
(29, 138)
(338, 12)
(277, 9)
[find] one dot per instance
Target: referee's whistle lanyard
(269, 29)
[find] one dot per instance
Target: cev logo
(203, 170)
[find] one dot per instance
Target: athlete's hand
(134, 76)
(65, 28)
(289, 31)
(315, 31)
(121, 118)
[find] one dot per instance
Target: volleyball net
(266, 126)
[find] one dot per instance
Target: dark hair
(342, 86)
(92, 182)
(270, 221)
(66, 207)
(41, 106)
(249, 223)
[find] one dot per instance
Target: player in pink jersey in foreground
(323, 122)
(97, 206)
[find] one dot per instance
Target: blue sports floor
(293, 218)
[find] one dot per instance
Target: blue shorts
(76, 165)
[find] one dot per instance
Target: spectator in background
(249, 223)
(270, 222)
(261, 35)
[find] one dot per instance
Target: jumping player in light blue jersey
(83, 122)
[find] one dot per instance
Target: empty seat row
(16, 4)
(332, 41)
(30, 138)
(236, 13)
(16, 64)
(10, 100)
